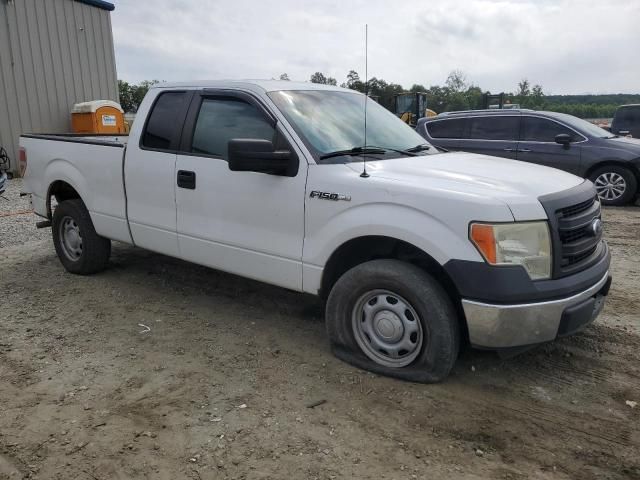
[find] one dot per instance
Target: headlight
(527, 244)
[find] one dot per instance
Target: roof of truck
(266, 85)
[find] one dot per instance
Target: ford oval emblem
(596, 227)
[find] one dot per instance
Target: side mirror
(256, 155)
(563, 139)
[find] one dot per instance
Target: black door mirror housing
(257, 155)
(563, 139)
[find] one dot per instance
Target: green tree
(284, 76)
(126, 96)
(456, 81)
(131, 95)
(417, 88)
(524, 88)
(319, 77)
(353, 81)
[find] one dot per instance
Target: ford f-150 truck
(415, 252)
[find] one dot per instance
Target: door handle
(524, 150)
(624, 132)
(510, 150)
(187, 179)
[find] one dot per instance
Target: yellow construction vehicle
(411, 107)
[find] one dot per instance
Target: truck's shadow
(186, 278)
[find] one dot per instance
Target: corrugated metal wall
(53, 53)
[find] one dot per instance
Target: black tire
(93, 252)
(630, 184)
(437, 316)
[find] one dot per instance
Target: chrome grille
(571, 213)
(578, 241)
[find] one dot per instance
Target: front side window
(164, 121)
(222, 119)
(536, 129)
(454, 128)
(494, 128)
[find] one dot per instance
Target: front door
(247, 223)
(537, 144)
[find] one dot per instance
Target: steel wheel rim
(70, 239)
(387, 328)
(610, 185)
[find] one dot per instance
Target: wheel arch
(361, 249)
(616, 163)
(61, 190)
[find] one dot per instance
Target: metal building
(53, 54)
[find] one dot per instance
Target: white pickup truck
(417, 254)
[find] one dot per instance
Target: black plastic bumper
(485, 283)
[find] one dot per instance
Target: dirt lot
(161, 369)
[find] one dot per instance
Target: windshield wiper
(419, 148)
(352, 151)
(369, 149)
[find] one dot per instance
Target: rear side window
(224, 119)
(494, 128)
(535, 129)
(454, 128)
(165, 121)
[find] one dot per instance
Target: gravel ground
(17, 225)
(157, 368)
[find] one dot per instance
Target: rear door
(537, 144)
(495, 135)
(149, 173)
(247, 223)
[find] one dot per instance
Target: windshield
(584, 127)
(330, 121)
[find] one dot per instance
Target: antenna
(364, 173)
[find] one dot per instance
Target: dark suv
(556, 140)
(626, 121)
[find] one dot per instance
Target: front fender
(401, 222)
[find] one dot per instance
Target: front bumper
(515, 325)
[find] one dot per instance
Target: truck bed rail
(106, 140)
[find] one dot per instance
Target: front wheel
(615, 185)
(392, 318)
(80, 249)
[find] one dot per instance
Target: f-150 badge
(329, 196)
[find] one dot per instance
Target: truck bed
(91, 164)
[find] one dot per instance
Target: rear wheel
(392, 318)
(615, 185)
(80, 249)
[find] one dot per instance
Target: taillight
(23, 161)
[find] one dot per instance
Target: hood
(625, 143)
(518, 184)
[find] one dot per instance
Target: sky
(567, 46)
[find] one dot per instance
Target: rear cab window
(164, 123)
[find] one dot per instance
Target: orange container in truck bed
(98, 116)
